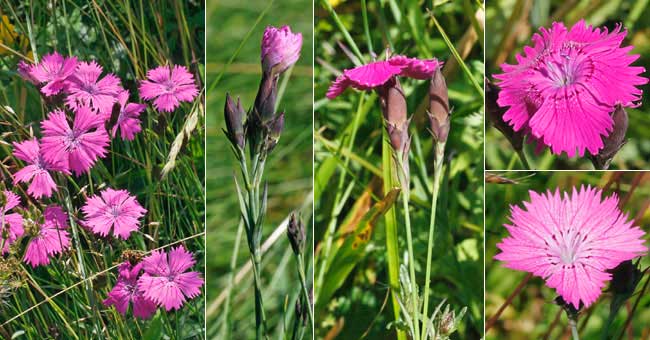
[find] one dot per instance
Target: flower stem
(305, 291)
(409, 240)
(260, 317)
(523, 159)
(437, 178)
(573, 323)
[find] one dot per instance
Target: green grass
(349, 167)
(127, 37)
(505, 39)
(532, 312)
(288, 170)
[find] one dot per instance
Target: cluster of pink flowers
(159, 280)
(571, 241)
(93, 106)
(564, 88)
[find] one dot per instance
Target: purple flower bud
(394, 108)
(234, 116)
(273, 132)
(439, 113)
(280, 49)
(266, 97)
(614, 142)
(296, 234)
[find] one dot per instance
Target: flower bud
(394, 108)
(296, 234)
(614, 142)
(280, 49)
(439, 113)
(273, 132)
(266, 98)
(234, 116)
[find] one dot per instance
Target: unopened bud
(274, 131)
(439, 113)
(234, 116)
(266, 97)
(614, 142)
(395, 113)
(495, 116)
(296, 234)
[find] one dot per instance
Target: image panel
(102, 170)
(260, 166)
(568, 85)
(398, 170)
(566, 255)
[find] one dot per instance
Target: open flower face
(168, 86)
(571, 240)
(564, 88)
(50, 239)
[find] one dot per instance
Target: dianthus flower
(38, 169)
(11, 224)
(50, 238)
(85, 89)
(113, 210)
(53, 70)
(168, 86)
(125, 292)
(280, 49)
(128, 119)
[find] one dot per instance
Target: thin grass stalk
(225, 333)
(305, 291)
(437, 179)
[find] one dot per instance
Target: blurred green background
(533, 311)
(511, 23)
(288, 169)
(126, 38)
(361, 306)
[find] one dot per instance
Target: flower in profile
(379, 73)
(128, 119)
(166, 280)
(168, 86)
(37, 171)
(25, 71)
(115, 210)
(280, 49)
(75, 147)
(571, 241)
(50, 237)
(563, 90)
(11, 225)
(85, 89)
(125, 292)
(53, 70)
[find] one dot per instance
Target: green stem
(305, 292)
(409, 243)
(260, 317)
(573, 323)
(522, 157)
(437, 178)
(231, 281)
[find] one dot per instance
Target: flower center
(169, 86)
(115, 211)
(72, 140)
(90, 88)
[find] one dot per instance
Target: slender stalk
(409, 242)
(231, 282)
(305, 291)
(437, 178)
(260, 317)
(574, 328)
(522, 157)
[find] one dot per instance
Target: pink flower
(166, 280)
(38, 170)
(77, 147)
(128, 120)
(51, 238)
(280, 49)
(114, 210)
(378, 73)
(85, 89)
(564, 88)
(25, 71)
(53, 70)
(126, 292)
(11, 225)
(168, 87)
(571, 241)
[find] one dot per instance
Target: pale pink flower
(166, 280)
(280, 49)
(128, 119)
(53, 70)
(126, 292)
(168, 87)
(85, 89)
(379, 73)
(75, 147)
(570, 241)
(113, 210)
(37, 171)
(51, 239)
(563, 90)
(11, 224)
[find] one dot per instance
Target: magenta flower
(85, 89)
(53, 70)
(564, 88)
(168, 87)
(126, 292)
(571, 241)
(11, 225)
(280, 49)
(378, 73)
(166, 280)
(115, 210)
(37, 171)
(128, 120)
(78, 147)
(25, 71)
(50, 239)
